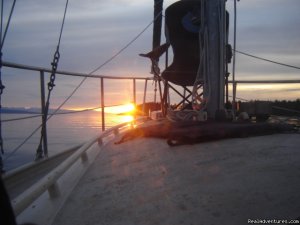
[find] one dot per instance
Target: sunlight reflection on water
(63, 131)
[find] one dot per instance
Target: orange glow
(126, 118)
(78, 109)
(120, 109)
(125, 112)
(113, 115)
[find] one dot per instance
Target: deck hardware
(54, 191)
(84, 158)
(116, 131)
(100, 141)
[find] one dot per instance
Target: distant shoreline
(282, 107)
(21, 110)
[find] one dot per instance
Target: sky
(95, 30)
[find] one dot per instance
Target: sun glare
(127, 118)
(121, 109)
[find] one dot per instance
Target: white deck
(145, 181)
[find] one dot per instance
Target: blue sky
(96, 29)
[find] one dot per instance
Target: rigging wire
(59, 113)
(99, 67)
(63, 23)
(8, 22)
(37, 129)
(103, 64)
(2, 39)
(126, 46)
(21, 118)
(40, 153)
(2, 87)
(234, 55)
(82, 81)
(267, 60)
(1, 22)
(22, 143)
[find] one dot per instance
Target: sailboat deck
(145, 181)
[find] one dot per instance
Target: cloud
(91, 32)
(268, 26)
(95, 30)
(267, 29)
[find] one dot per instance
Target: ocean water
(63, 132)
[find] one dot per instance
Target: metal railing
(49, 182)
(102, 79)
(236, 82)
(58, 182)
(42, 71)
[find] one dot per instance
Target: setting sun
(120, 109)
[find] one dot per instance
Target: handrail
(38, 69)
(8, 175)
(16, 180)
(68, 73)
(42, 72)
(27, 197)
(236, 82)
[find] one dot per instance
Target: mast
(215, 18)
(158, 7)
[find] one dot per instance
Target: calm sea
(63, 131)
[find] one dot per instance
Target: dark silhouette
(6, 212)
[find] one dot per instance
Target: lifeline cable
(59, 113)
(267, 60)
(103, 64)
(78, 86)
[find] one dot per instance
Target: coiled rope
(202, 73)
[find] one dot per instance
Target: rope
(40, 153)
(21, 118)
(126, 46)
(58, 113)
(186, 115)
(103, 64)
(197, 101)
(79, 85)
(267, 60)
